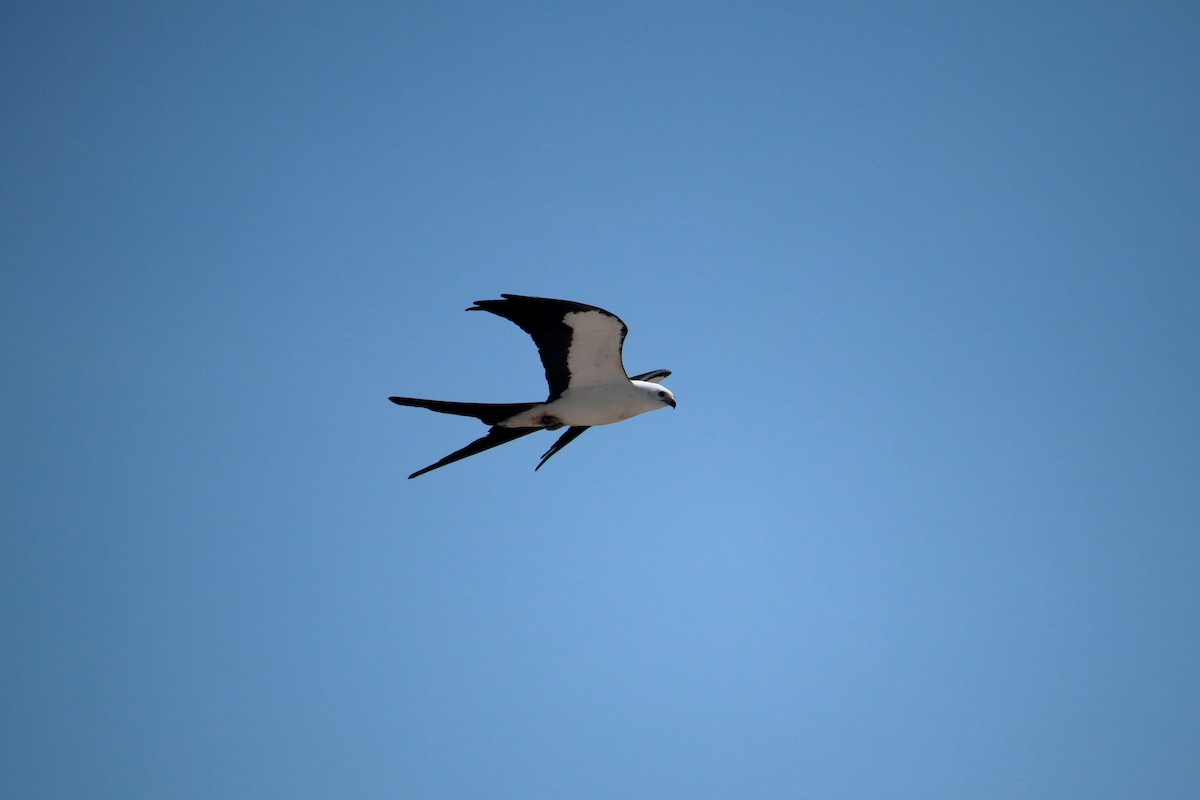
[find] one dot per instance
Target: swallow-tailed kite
(580, 346)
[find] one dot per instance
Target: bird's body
(580, 348)
(602, 404)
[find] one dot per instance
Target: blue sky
(924, 524)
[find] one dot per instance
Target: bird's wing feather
(560, 443)
(580, 345)
(653, 376)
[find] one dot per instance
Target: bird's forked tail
(488, 413)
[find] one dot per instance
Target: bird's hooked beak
(670, 401)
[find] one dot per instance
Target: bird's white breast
(593, 405)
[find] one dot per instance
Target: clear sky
(925, 523)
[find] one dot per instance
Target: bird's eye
(662, 394)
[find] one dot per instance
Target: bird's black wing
(561, 442)
(653, 376)
(586, 351)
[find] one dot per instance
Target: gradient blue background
(924, 525)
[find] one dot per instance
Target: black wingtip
(564, 440)
(654, 375)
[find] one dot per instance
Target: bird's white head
(657, 395)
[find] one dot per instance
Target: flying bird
(580, 348)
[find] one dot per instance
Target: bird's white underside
(602, 404)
